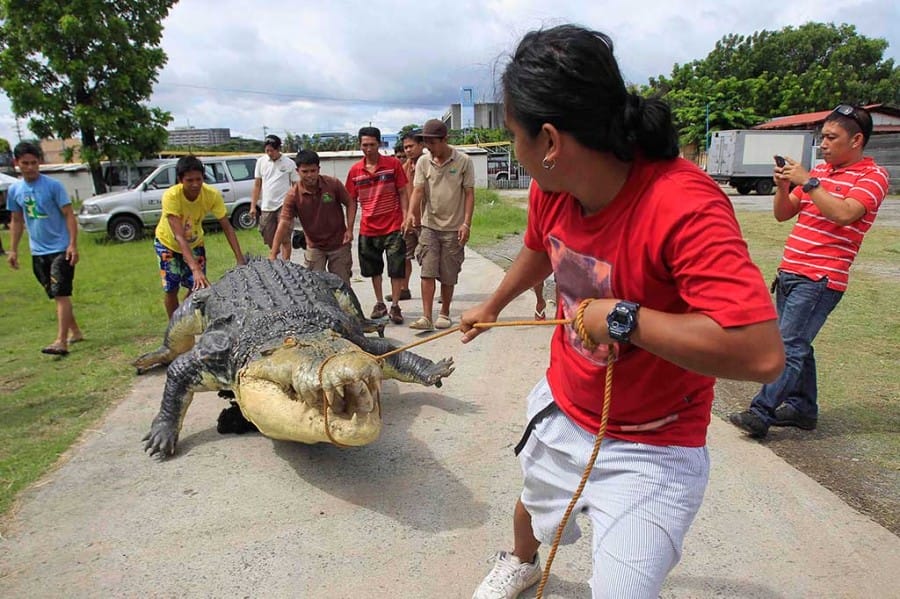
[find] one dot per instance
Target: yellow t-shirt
(191, 214)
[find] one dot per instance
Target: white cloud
(339, 65)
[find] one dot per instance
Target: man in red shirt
(837, 202)
(319, 202)
(378, 183)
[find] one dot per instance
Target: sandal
(72, 340)
(55, 350)
(542, 315)
(423, 324)
(443, 322)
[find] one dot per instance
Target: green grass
(46, 402)
(856, 351)
(495, 218)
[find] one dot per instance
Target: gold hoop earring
(548, 164)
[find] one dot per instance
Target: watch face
(621, 321)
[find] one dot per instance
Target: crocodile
(289, 345)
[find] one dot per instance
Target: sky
(339, 65)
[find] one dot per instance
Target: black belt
(545, 411)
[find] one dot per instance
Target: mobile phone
(779, 160)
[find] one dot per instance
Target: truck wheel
(502, 176)
(764, 187)
(125, 228)
(744, 188)
(241, 219)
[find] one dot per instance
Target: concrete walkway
(413, 515)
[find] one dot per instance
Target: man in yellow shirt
(179, 234)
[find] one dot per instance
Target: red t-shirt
(378, 195)
(321, 212)
(818, 247)
(670, 241)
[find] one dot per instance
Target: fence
(514, 178)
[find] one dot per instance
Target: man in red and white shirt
(378, 184)
(835, 204)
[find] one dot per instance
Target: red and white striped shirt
(818, 247)
(378, 194)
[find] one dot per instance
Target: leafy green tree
(88, 67)
(406, 129)
(745, 80)
(477, 136)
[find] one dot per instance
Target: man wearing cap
(837, 202)
(275, 174)
(378, 183)
(443, 200)
(319, 201)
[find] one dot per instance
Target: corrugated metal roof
(814, 119)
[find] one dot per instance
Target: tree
(745, 80)
(86, 66)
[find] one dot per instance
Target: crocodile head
(316, 388)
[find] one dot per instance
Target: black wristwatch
(622, 320)
(810, 185)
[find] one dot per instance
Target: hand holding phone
(779, 161)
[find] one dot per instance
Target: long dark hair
(568, 77)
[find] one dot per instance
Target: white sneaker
(508, 578)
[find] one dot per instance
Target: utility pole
(265, 131)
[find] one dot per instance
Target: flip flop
(72, 340)
(55, 350)
(542, 315)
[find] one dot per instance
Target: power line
(304, 97)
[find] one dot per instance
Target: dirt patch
(827, 454)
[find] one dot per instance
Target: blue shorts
(641, 498)
(173, 270)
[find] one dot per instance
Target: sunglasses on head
(851, 112)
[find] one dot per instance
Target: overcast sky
(339, 65)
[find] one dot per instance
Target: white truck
(743, 158)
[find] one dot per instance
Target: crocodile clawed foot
(437, 371)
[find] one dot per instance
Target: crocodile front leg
(207, 367)
(407, 366)
(185, 323)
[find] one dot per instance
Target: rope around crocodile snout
(578, 324)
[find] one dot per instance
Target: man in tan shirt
(443, 201)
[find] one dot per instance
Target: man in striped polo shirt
(837, 203)
(378, 183)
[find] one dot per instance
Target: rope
(325, 398)
(589, 344)
(601, 432)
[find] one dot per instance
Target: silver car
(124, 215)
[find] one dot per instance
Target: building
(55, 149)
(883, 146)
(191, 136)
(486, 115)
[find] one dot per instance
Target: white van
(124, 215)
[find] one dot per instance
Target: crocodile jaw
(350, 389)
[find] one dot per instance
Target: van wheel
(125, 228)
(241, 219)
(764, 187)
(744, 188)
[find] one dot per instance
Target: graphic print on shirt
(579, 277)
(31, 207)
(189, 232)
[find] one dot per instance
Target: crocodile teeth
(335, 400)
(365, 403)
(354, 420)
